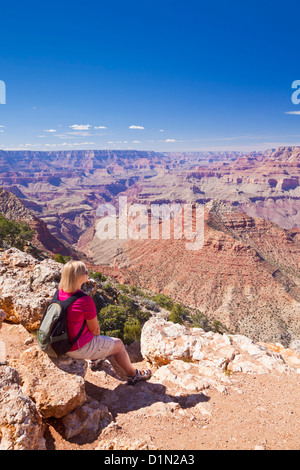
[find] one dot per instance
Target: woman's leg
(121, 356)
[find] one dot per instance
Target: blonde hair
(70, 276)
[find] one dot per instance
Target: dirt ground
(259, 412)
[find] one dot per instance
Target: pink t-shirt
(80, 310)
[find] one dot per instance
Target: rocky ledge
(186, 364)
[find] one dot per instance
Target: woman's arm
(93, 326)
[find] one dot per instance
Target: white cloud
(49, 130)
(161, 130)
(170, 140)
(136, 141)
(2, 126)
(68, 144)
(82, 133)
(100, 127)
(80, 127)
(293, 112)
(136, 127)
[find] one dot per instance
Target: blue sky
(160, 75)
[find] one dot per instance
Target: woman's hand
(93, 326)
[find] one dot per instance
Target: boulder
(2, 317)
(21, 426)
(254, 358)
(27, 285)
(52, 384)
(87, 419)
(190, 377)
(163, 342)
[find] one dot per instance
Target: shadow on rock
(144, 396)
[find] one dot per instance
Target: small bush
(130, 305)
(163, 301)
(15, 233)
(97, 275)
(178, 314)
(122, 321)
(61, 259)
(200, 321)
(132, 331)
(112, 318)
(151, 305)
(124, 288)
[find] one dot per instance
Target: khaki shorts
(98, 348)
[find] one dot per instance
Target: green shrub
(97, 275)
(178, 314)
(135, 290)
(217, 327)
(163, 301)
(132, 331)
(122, 321)
(15, 233)
(109, 289)
(200, 321)
(112, 318)
(124, 288)
(61, 259)
(130, 305)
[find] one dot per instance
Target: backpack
(52, 335)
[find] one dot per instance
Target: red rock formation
(13, 209)
(246, 275)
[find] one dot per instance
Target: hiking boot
(139, 376)
(95, 364)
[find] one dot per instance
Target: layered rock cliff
(13, 208)
(65, 188)
(246, 275)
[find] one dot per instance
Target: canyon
(65, 188)
(234, 389)
(246, 275)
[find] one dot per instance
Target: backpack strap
(67, 303)
(71, 299)
(55, 297)
(73, 341)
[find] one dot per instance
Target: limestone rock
(21, 426)
(88, 419)
(290, 356)
(255, 358)
(27, 285)
(190, 377)
(2, 317)
(164, 342)
(55, 391)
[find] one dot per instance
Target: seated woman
(91, 345)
